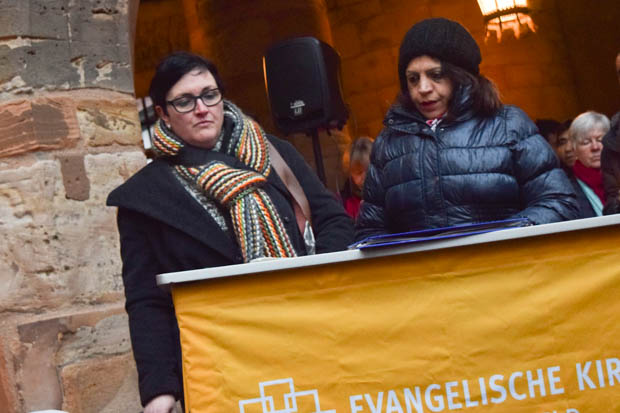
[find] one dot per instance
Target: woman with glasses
(217, 194)
(586, 132)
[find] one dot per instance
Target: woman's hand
(163, 403)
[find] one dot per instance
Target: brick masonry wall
(69, 133)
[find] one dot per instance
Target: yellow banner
(526, 325)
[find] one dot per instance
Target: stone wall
(69, 133)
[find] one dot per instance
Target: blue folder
(434, 234)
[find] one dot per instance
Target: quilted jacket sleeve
(545, 191)
(371, 218)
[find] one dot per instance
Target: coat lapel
(157, 193)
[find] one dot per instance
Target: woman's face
(563, 147)
(201, 126)
(429, 89)
(589, 147)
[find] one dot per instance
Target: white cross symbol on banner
(290, 399)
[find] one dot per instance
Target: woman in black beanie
(450, 152)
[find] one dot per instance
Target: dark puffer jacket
(467, 170)
(610, 167)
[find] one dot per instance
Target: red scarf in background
(591, 177)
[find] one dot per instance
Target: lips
(204, 123)
(428, 104)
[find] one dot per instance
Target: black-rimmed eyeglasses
(187, 103)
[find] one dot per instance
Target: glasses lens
(211, 97)
(184, 104)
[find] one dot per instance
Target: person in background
(563, 146)
(450, 152)
(587, 131)
(610, 160)
(557, 134)
(214, 196)
(359, 158)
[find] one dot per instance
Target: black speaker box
(302, 76)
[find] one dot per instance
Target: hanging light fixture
(500, 15)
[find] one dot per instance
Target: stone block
(76, 183)
(50, 344)
(97, 23)
(106, 66)
(48, 19)
(105, 121)
(37, 369)
(47, 65)
(41, 124)
(14, 19)
(54, 246)
(7, 384)
(88, 392)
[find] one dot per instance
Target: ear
(160, 112)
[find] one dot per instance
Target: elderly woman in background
(213, 197)
(450, 152)
(557, 134)
(586, 132)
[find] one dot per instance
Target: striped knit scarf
(256, 223)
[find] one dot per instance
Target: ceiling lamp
(500, 15)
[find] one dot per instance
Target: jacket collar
(411, 121)
(156, 192)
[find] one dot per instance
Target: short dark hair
(482, 91)
(548, 127)
(172, 68)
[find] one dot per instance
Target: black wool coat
(163, 228)
(467, 170)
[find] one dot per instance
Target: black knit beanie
(442, 39)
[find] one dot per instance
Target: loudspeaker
(302, 76)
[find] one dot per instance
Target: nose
(424, 85)
(200, 108)
(597, 146)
